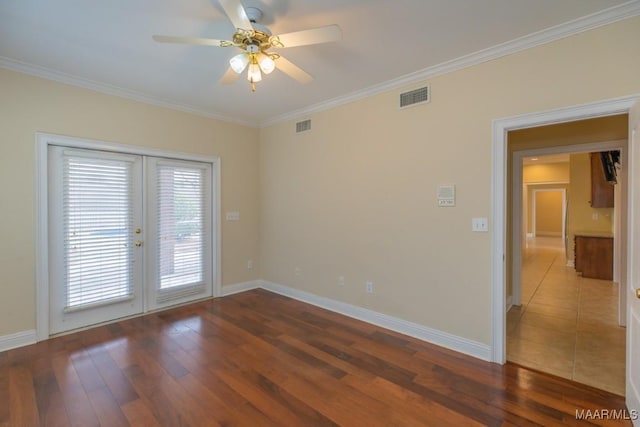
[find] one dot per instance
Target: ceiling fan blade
(293, 71)
(229, 77)
(329, 33)
(192, 40)
(236, 13)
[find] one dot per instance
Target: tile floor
(567, 325)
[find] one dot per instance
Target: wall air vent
(303, 126)
(414, 97)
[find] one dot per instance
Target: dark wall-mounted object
(609, 160)
(601, 190)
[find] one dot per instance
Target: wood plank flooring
(260, 359)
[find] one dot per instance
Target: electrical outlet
(297, 271)
(250, 264)
(341, 281)
(369, 286)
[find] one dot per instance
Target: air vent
(303, 126)
(413, 97)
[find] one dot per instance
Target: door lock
(138, 243)
(138, 230)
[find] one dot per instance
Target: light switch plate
(480, 225)
(233, 216)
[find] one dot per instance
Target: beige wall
(580, 214)
(535, 177)
(528, 204)
(31, 104)
(548, 209)
(356, 197)
(547, 172)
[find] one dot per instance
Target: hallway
(567, 325)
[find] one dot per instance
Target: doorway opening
(502, 238)
(566, 319)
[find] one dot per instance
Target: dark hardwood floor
(260, 359)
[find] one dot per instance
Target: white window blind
(181, 230)
(97, 216)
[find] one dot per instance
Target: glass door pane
(180, 223)
(95, 210)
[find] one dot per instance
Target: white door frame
(43, 140)
(534, 192)
(499, 192)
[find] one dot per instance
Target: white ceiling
(107, 45)
(550, 158)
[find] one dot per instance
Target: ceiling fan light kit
(255, 44)
(255, 40)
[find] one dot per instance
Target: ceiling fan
(255, 41)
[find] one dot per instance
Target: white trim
(216, 217)
(499, 151)
(42, 241)
(116, 147)
(611, 15)
(608, 16)
(19, 339)
(509, 303)
(73, 80)
(236, 288)
(42, 141)
(443, 339)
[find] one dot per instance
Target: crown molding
(626, 10)
(49, 74)
(621, 12)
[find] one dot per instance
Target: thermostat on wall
(447, 195)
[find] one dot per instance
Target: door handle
(638, 292)
(138, 243)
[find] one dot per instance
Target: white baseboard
(530, 235)
(240, 287)
(571, 263)
(434, 336)
(19, 339)
(509, 302)
(548, 234)
(443, 339)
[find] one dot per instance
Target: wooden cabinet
(594, 257)
(601, 190)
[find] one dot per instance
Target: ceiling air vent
(413, 97)
(303, 126)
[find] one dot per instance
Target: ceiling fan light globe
(239, 62)
(267, 65)
(254, 74)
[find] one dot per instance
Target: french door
(127, 234)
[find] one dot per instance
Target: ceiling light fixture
(255, 58)
(255, 40)
(255, 43)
